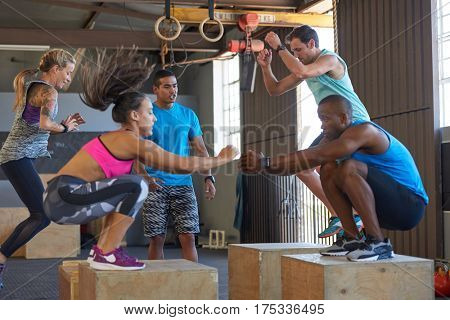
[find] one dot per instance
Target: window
(444, 60)
(227, 111)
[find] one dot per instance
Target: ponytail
(59, 57)
(115, 78)
(19, 86)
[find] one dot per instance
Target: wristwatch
(213, 180)
(66, 128)
(280, 47)
(265, 163)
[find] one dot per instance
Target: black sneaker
(372, 250)
(341, 247)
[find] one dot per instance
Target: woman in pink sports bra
(97, 182)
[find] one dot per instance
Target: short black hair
(163, 73)
(339, 101)
(304, 33)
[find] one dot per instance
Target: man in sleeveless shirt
(362, 167)
(325, 74)
(178, 131)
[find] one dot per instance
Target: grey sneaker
(372, 250)
(341, 247)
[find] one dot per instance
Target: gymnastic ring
(161, 19)
(202, 33)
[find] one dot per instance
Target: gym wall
(391, 49)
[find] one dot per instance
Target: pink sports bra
(111, 166)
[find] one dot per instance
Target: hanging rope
(335, 27)
(211, 18)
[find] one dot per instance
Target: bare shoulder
(41, 94)
(361, 132)
(122, 139)
(329, 59)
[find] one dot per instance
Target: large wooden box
(312, 276)
(68, 273)
(160, 280)
(55, 241)
(254, 270)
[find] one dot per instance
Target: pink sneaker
(92, 253)
(115, 260)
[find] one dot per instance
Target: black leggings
(28, 185)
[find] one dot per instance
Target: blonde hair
(58, 57)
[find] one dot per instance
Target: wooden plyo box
(160, 280)
(55, 241)
(68, 273)
(312, 276)
(254, 270)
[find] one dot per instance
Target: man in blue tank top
(362, 167)
(325, 74)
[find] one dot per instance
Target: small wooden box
(160, 280)
(55, 241)
(312, 276)
(68, 279)
(254, 270)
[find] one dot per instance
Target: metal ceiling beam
(197, 15)
(266, 18)
(103, 9)
(69, 38)
(272, 4)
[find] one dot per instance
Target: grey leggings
(70, 200)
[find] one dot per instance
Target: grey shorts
(178, 201)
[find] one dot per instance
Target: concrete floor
(38, 279)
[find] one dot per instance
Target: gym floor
(38, 278)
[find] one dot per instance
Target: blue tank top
(324, 86)
(396, 162)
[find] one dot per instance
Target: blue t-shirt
(172, 131)
(396, 162)
(324, 86)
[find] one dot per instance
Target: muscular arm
(45, 97)
(313, 157)
(198, 145)
(301, 71)
(278, 87)
(154, 156)
(353, 139)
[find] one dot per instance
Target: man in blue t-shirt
(177, 130)
(326, 74)
(362, 167)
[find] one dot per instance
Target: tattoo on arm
(45, 111)
(46, 99)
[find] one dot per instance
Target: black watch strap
(265, 162)
(213, 180)
(280, 47)
(66, 128)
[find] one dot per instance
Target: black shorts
(397, 207)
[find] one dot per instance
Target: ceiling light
(19, 47)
